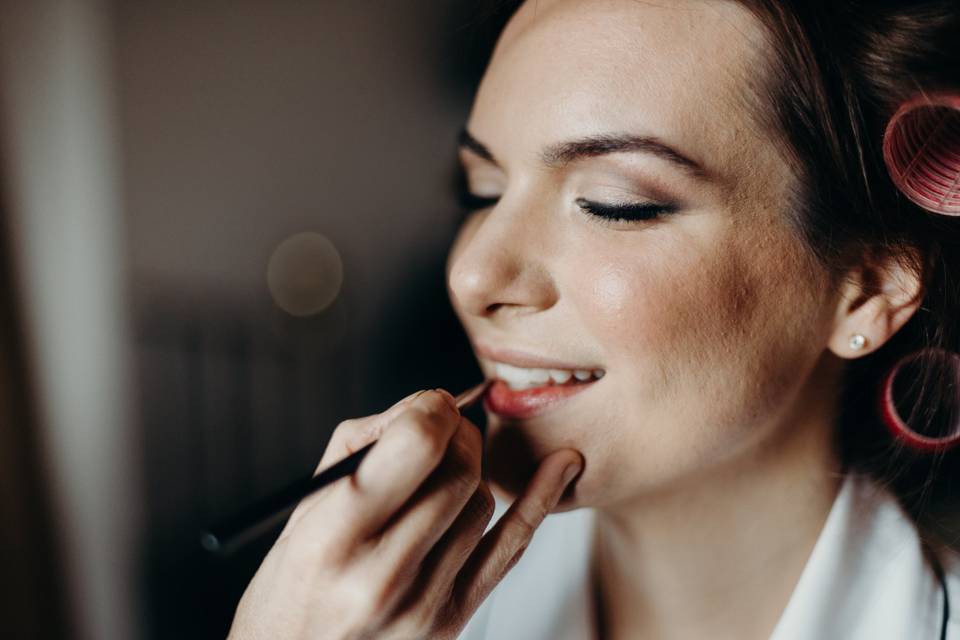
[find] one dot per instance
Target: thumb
(501, 547)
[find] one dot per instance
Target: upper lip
(525, 359)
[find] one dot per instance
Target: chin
(511, 457)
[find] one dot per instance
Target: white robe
(866, 579)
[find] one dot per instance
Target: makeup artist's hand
(397, 550)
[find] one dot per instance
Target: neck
(719, 556)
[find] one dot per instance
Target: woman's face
(707, 320)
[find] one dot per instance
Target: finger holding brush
(397, 549)
(347, 438)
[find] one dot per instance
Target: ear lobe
(875, 302)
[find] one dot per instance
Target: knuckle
(463, 468)
(466, 480)
(319, 552)
(415, 623)
(357, 430)
(433, 401)
(524, 525)
(468, 445)
(424, 430)
(368, 599)
(343, 434)
(481, 506)
(326, 541)
(347, 426)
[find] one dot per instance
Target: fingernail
(411, 396)
(568, 474)
(449, 398)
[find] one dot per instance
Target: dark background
(243, 123)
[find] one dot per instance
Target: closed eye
(618, 212)
(625, 212)
(472, 202)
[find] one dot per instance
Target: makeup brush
(246, 525)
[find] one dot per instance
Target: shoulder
(934, 578)
(868, 576)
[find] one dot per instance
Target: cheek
(644, 311)
(707, 339)
(612, 295)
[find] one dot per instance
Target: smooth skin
(709, 442)
(397, 550)
(707, 445)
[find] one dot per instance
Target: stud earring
(857, 342)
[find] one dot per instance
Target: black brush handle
(233, 532)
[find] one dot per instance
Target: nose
(498, 264)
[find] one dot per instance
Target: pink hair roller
(921, 147)
(899, 427)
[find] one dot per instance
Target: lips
(526, 359)
(527, 385)
(527, 403)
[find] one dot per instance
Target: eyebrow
(558, 155)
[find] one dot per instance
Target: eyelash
(625, 212)
(473, 202)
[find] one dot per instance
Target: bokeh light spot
(304, 274)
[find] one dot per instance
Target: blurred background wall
(244, 124)
(234, 145)
(68, 359)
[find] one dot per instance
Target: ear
(875, 301)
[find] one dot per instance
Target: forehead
(678, 70)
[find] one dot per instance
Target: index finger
(410, 448)
(501, 547)
(356, 433)
(350, 436)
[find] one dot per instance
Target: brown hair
(840, 71)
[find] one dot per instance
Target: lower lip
(508, 403)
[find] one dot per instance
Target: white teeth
(539, 376)
(519, 378)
